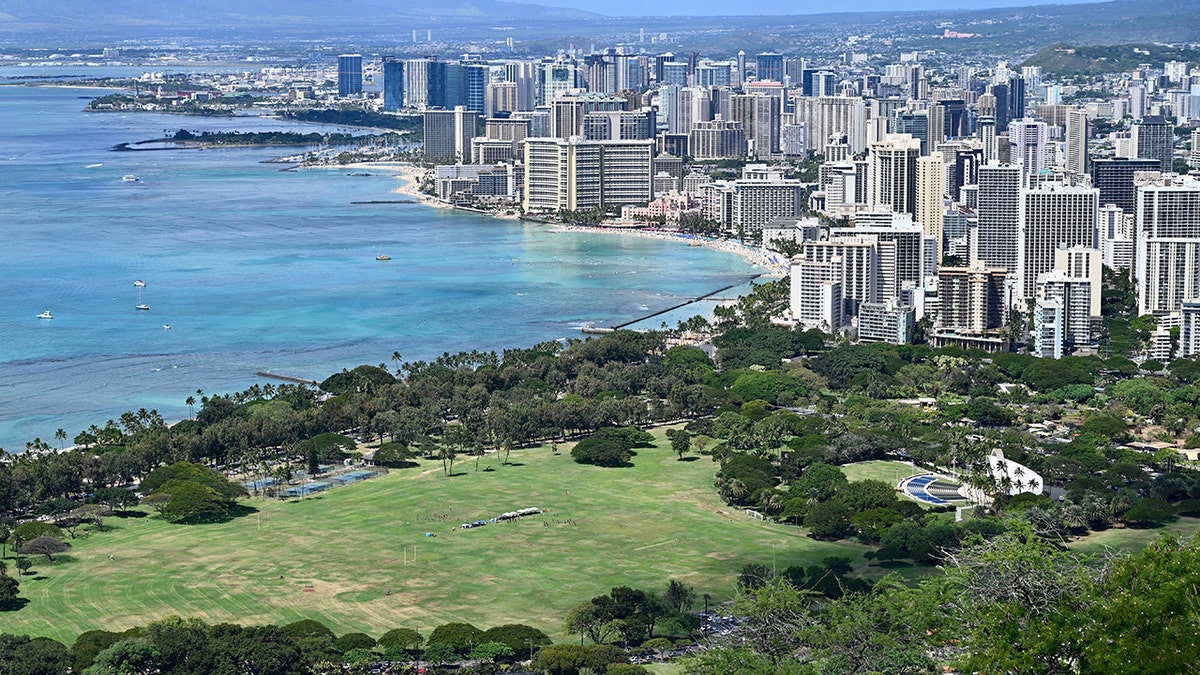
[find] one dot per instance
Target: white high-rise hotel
(1167, 262)
(1052, 215)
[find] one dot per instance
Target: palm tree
(60, 435)
(190, 401)
(396, 358)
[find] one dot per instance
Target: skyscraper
(1154, 138)
(760, 117)
(393, 84)
(349, 75)
(448, 134)
(1028, 140)
(1167, 257)
(894, 173)
(1114, 177)
(1052, 215)
(931, 190)
(770, 67)
(999, 215)
(1078, 131)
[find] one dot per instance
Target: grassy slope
(341, 555)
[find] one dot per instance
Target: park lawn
(888, 471)
(1132, 539)
(340, 557)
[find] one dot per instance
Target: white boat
(143, 307)
(139, 283)
(166, 326)
(46, 315)
(382, 255)
(130, 178)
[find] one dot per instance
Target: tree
(490, 651)
(517, 636)
(403, 638)
(115, 498)
(828, 520)
(354, 641)
(681, 441)
(21, 655)
(679, 597)
(822, 478)
(46, 546)
(566, 659)
(193, 503)
(9, 587)
(460, 637)
(439, 652)
(138, 655)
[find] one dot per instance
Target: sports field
(340, 557)
(888, 471)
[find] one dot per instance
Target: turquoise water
(258, 269)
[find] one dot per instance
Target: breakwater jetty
(593, 329)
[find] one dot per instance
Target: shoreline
(775, 265)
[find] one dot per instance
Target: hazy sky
(732, 7)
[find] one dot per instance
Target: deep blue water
(257, 269)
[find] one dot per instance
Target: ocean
(258, 269)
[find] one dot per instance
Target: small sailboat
(131, 178)
(166, 326)
(139, 283)
(46, 315)
(382, 255)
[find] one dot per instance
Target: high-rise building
(1078, 132)
(1154, 138)
(931, 191)
(416, 83)
(1189, 328)
(760, 117)
(525, 75)
(501, 97)
(816, 293)
(1073, 297)
(971, 309)
(862, 258)
(1114, 178)
(1052, 215)
(393, 84)
(902, 259)
(890, 322)
(1194, 156)
(474, 86)
(828, 115)
(894, 173)
(448, 134)
(555, 79)
(717, 139)
(987, 137)
(349, 75)
(577, 174)
(568, 110)
(1167, 257)
(770, 67)
(620, 125)
(1082, 262)
(1028, 138)
(999, 210)
(1049, 329)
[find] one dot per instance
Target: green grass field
(339, 557)
(1126, 538)
(889, 472)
